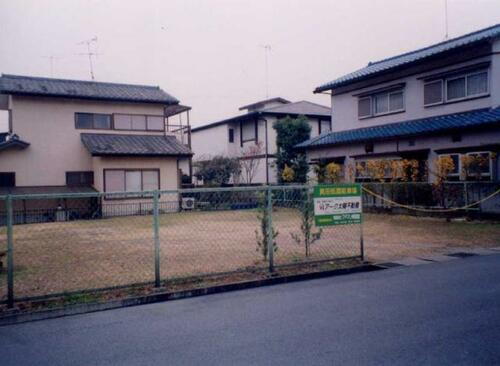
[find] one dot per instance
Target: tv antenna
(51, 59)
(89, 53)
(267, 49)
(446, 19)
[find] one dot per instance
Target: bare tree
(250, 160)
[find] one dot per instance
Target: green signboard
(337, 204)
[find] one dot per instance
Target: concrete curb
(20, 317)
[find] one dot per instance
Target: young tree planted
(261, 235)
(307, 236)
(250, 161)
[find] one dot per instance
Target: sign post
(339, 204)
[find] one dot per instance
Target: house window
(481, 165)
(231, 135)
(93, 121)
(456, 88)
(122, 180)
(381, 103)
(324, 126)
(155, 123)
(364, 107)
(79, 178)
(433, 92)
(248, 131)
(7, 179)
(138, 122)
(455, 173)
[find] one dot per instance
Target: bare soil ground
(71, 256)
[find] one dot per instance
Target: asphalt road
(443, 313)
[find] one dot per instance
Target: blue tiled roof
(30, 85)
(414, 56)
(423, 126)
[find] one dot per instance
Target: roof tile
(29, 85)
(145, 145)
(422, 126)
(414, 56)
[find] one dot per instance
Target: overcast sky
(209, 54)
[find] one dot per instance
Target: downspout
(189, 145)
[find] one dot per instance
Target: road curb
(21, 317)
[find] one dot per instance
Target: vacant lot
(67, 256)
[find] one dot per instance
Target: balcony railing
(181, 132)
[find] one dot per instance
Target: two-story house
(441, 100)
(233, 137)
(81, 136)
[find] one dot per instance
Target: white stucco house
(441, 100)
(233, 137)
(83, 136)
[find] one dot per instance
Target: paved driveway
(439, 313)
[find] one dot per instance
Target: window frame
(80, 184)
(320, 125)
(441, 81)
(230, 135)
(255, 133)
(389, 101)
(110, 116)
(125, 192)
(147, 116)
(373, 99)
(370, 113)
(444, 87)
(465, 88)
(459, 170)
(490, 162)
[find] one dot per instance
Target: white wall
(214, 141)
(4, 121)
(345, 106)
(210, 141)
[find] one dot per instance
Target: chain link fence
(70, 243)
(449, 195)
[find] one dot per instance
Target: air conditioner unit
(188, 203)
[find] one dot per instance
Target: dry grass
(396, 236)
(70, 256)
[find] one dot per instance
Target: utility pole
(89, 53)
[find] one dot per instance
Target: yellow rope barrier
(428, 209)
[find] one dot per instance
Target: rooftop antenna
(52, 58)
(267, 49)
(446, 19)
(89, 53)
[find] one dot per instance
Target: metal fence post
(10, 254)
(156, 231)
(270, 238)
(361, 239)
